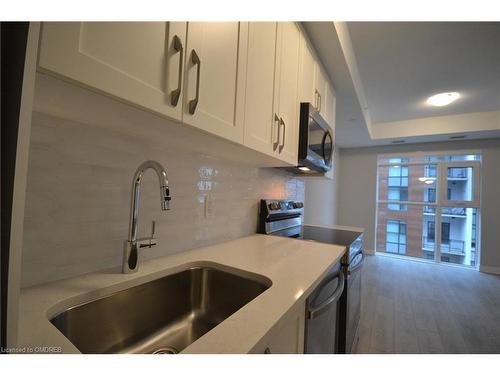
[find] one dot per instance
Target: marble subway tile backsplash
(78, 198)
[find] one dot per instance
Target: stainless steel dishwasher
(322, 314)
(333, 308)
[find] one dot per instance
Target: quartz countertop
(295, 268)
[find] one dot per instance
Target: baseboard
(489, 269)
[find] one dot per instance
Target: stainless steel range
(333, 309)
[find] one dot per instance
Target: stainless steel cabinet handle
(316, 311)
(316, 97)
(195, 59)
(175, 94)
(282, 146)
(319, 102)
(276, 124)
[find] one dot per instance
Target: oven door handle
(316, 311)
(360, 263)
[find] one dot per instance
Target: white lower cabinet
(287, 337)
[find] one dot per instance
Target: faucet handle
(148, 241)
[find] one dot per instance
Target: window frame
(439, 161)
(400, 224)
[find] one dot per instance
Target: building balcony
(453, 247)
(453, 173)
(446, 211)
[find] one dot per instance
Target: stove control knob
(298, 205)
(273, 206)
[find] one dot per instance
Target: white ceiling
(395, 66)
(402, 64)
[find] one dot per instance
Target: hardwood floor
(416, 307)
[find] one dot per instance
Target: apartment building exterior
(410, 229)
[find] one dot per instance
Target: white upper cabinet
(321, 84)
(238, 80)
(307, 92)
(330, 103)
(138, 62)
(271, 90)
(214, 77)
(261, 128)
(286, 96)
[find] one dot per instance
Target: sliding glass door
(428, 207)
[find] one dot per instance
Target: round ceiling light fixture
(442, 99)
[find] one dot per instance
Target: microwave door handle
(315, 312)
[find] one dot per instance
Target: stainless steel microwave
(315, 142)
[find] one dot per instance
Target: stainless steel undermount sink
(162, 316)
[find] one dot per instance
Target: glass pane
(409, 159)
(459, 236)
(413, 183)
(316, 134)
(460, 183)
(405, 232)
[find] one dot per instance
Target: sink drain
(167, 350)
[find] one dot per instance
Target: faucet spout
(132, 244)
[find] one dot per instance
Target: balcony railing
(454, 211)
(457, 172)
(431, 171)
(454, 247)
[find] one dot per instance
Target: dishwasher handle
(323, 307)
(359, 264)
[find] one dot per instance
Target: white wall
(357, 180)
(83, 155)
(321, 197)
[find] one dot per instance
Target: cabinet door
(287, 337)
(307, 90)
(260, 126)
(286, 95)
(214, 80)
(330, 103)
(133, 61)
(321, 83)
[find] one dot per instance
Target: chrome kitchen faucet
(133, 244)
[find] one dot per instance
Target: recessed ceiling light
(445, 98)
